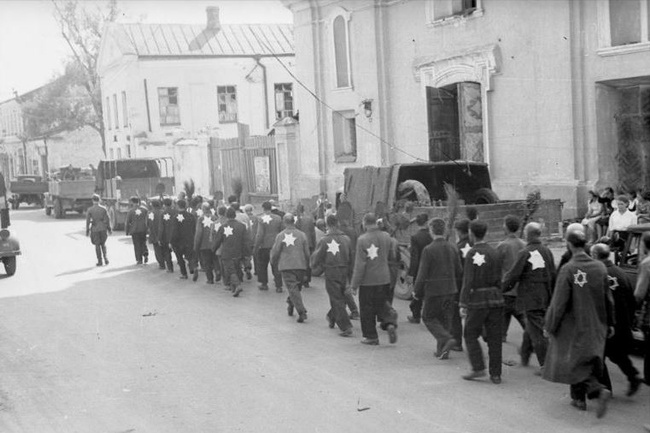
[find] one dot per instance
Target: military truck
(28, 189)
(70, 190)
(119, 179)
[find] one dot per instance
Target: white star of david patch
(138, 212)
(536, 260)
(289, 239)
(151, 216)
(217, 226)
(613, 282)
(465, 250)
(266, 219)
(478, 259)
(333, 247)
(199, 213)
(372, 252)
(180, 217)
(580, 278)
(206, 222)
(166, 217)
(227, 231)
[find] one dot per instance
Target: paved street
(133, 349)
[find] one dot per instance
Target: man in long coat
(419, 240)
(578, 321)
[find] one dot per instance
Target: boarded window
(345, 136)
(168, 106)
(227, 100)
(341, 55)
(283, 100)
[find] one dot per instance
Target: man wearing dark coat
(419, 240)
(136, 227)
(334, 254)
(204, 243)
(153, 227)
(305, 223)
(348, 230)
(233, 239)
(578, 321)
(618, 346)
(98, 227)
(268, 227)
(182, 239)
(165, 232)
(439, 279)
(481, 302)
(534, 270)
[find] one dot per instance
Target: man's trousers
(140, 246)
(335, 284)
(294, 280)
(491, 319)
(374, 304)
(436, 314)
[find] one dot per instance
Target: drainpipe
(266, 91)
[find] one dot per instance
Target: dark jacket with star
(534, 270)
(290, 250)
(268, 227)
(374, 251)
(508, 250)
(333, 253)
(183, 228)
(305, 223)
(233, 238)
(481, 278)
(624, 303)
(463, 245)
(440, 272)
(153, 225)
(419, 240)
(203, 239)
(167, 218)
(136, 223)
(577, 320)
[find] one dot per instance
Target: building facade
(539, 90)
(167, 88)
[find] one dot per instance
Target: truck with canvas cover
(28, 189)
(120, 179)
(71, 189)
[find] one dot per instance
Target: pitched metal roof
(194, 40)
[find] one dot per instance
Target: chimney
(212, 13)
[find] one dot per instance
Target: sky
(32, 50)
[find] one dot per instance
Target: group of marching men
(573, 316)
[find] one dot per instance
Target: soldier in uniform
(371, 278)
(165, 232)
(203, 243)
(578, 322)
(439, 278)
(290, 254)
(334, 255)
(419, 240)
(153, 227)
(268, 227)
(136, 226)
(98, 226)
(232, 237)
(182, 241)
(618, 346)
(534, 270)
(481, 302)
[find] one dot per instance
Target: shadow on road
(75, 271)
(122, 268)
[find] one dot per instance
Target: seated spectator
(643, 208)
(605, 198)
(594, 212)
(634, 201)
(621, 218)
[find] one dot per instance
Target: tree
(81, 27)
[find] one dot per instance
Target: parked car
(9, 245)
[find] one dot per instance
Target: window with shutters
(227, 100)
(283, 100)
(168, 106)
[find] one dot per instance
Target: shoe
(249, 275)
(412, 319)
(170, 271)
(237, 291)
(525, 360)
(138, 262)
(98, 264)
(105, 261)
(474, 375)
(392, 334)
(162, 267)
(635, 383)
(183, 277)
(370, 341)
(601, 402)
(444, 352)
(278, 289)
(217, 278)
(195, 275)
(330, 321)
(146, 259)
(354, 315)
(263, 287)
(301, 317)
(346, 333)
(228, 288)
(579, 404)
(458, 347)
(495, 379)
(290, 309)
(209, 282)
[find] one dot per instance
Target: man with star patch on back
(153, 227)
(481, 302)
(136, 226)
(182, 240)
(290, 255)
(204, 243)
(165, 232)
(371, 277)
(578, 322)
(268, 227)
(233, 239)
(334, 254)
(534, 270)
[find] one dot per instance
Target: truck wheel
(10, 265)
(59, 213)
(403, 290)
(485, 196)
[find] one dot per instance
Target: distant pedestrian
(153, 227)
(419, 240)
(334, 254)
(98, 226)
(136, 227)
(203, 243)
(182, 241)
(371, 278)
(290, 255)
(232, 237)
(305, 223)
(268, 227)
(481, 302)
(578, 321)
(165, 232)
(249, 262)
(350, 232)
(439, 279)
